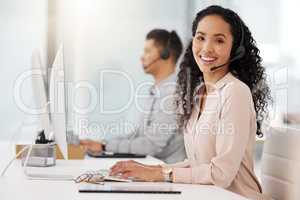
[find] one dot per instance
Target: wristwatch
(167, 173)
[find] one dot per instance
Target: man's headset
(239, 52)
(165, 53)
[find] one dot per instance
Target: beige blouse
(220, 144)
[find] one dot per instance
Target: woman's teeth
(208, 59)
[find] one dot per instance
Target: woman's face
(212, 43)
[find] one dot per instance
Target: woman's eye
(220, 41)
(200, 38)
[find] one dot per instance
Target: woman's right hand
(137, 171)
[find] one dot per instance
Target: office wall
(109, 35)
(290, 51)
(105, 34)
(273, 24)
(96, 35)
(23, 28)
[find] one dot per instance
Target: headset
(165, 53)
(239, 52)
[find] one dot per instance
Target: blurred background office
(103, 41)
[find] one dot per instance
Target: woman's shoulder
(236, 87)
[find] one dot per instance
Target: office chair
(280, 173)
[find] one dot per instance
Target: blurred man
(157, 133)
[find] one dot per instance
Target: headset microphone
(219, 66)
(240, 53)
(152, 62)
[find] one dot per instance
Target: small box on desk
(75, 152)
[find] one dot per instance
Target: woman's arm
(182, 164)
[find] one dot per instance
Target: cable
(12, 160)
(27, 158)
(22, 150)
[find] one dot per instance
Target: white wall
(23, 28)
(274, 26)
(290, 48)
(109, 34)
(96, 35)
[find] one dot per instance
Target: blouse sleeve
(181, 164)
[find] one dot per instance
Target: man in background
(157, 133)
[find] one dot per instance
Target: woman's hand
(137, 171)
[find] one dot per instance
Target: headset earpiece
(240, 52)
(165, 54)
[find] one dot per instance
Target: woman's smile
(208, 60)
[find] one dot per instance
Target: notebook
(133, 187)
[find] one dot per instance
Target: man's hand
(92, 146)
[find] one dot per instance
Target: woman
(222, 96)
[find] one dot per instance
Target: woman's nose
(207, 47)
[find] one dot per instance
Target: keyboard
(115, 155)
(57, 177)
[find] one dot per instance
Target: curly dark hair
(248, 69)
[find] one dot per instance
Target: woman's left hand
(137, 171)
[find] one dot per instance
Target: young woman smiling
(222, 98)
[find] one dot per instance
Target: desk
(15, 186)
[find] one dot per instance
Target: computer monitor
(53, 119)
(39, 89)
(53, 115)
(58, 102)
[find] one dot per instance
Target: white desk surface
(15, 186)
